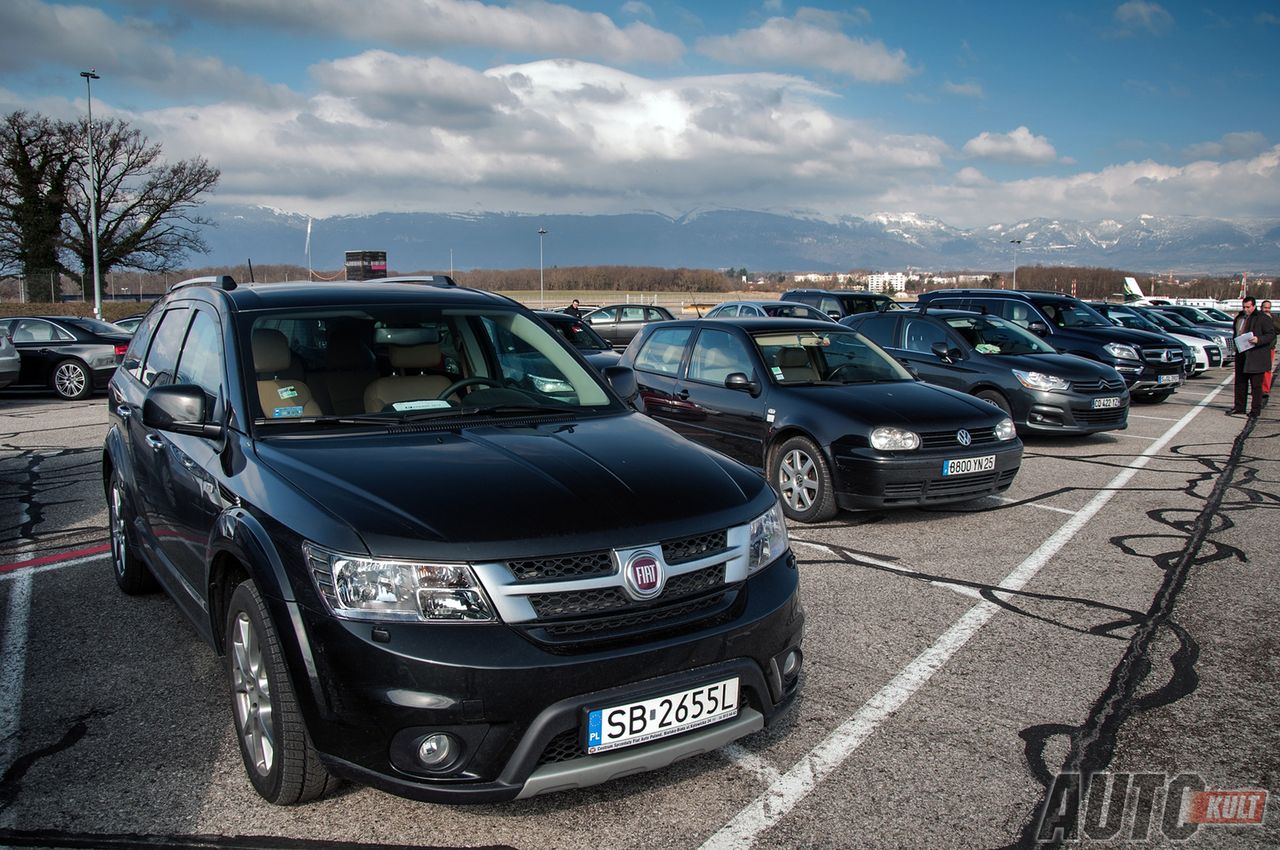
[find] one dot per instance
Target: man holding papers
(1254, 333)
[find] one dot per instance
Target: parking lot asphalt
(1114, 614)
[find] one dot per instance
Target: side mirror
(1038, 328)
(739, 381)
(834, 314)
(941, 351)
(180, 408)
(623, 381)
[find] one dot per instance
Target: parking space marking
(783, 795)
(750, 762)
(962, 589)
(1007, 500)
(1160, 418)
(18, 572)
(1134, 436)
(55, 559)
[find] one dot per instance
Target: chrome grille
(1098, 386)
(1162, 354)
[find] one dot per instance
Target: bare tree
(147, 209)
(37, 158)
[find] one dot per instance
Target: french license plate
(967, 465)
(1109, 401)
(651, 719)
(1168, 379)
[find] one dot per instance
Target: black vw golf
(439, 553)
(833, 420)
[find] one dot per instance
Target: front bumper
(1148, 379)
(1073, 413)
(865, 478)
(518, 707)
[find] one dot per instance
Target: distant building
(887, 281)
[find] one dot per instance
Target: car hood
(499, 491)
(906, 404)
(1067, 366)
(1115, 333)
(601, 359)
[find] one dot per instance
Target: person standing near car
(1269, 376)
(1254, 361)
(573, 309)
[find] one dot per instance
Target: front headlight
(1041, 381)
(768, 538)
(1006, 430)
(356, 587)
(550, 386)
(1220, 341)
(888, 439)
(1120, 351)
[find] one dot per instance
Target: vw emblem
(963, 437)
(643, 576)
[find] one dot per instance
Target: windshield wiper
(495, 410)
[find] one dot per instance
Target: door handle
(683, 395)
(155, 442)
(124, 410)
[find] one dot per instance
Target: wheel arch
(786, 432)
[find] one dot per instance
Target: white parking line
(1007, 500)
(750, 762)
(1160, 418)
(783, 795)
(1135, 436)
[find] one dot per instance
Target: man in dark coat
(1254, 361)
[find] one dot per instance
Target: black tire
(71, 380)
(132, 575)
(279, 758)
(798, 471)
(996, 398)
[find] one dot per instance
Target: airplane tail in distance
(1244, 285)
(1132, 291)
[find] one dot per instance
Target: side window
(201, 361)
(829, 306)
(38, 330)
(726, 312)
(603, 317)
(163, 355)
(879, 329)
(717, 355)
(921, 334)
(1019, 312)
(663, 351)
(137, 350)
(652, 315)
(632, 314)
(854, 306)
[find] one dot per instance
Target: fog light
(791, 664)
(437, 750)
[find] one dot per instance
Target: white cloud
(969, 89)
(1230, 146)
(527, 27)
(637, 9)
(811, 39)
(34, 32)
(1019, 145)
(1137, 15)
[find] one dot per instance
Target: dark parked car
(999, 362)
(471, 590)
(71, 355)
(593, 347)
(1151, 364)
(838, 303)
(10, 361)
(619, 323)
(832, 420)
(130, 323)
(762, 309)
(1199, 318)
(1204, 349)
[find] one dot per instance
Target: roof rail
(224, 282)
(423, 279)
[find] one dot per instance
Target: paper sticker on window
(423, 404)
(287, 392)
(777, 372)
(281, 412)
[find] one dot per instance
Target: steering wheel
(835, 373)
(477, 381)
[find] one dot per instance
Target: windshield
(1216, 314)
(1172, 320)
(580, 336)
(793, 311)
(1197, 315)
(1072, 314)
(989, 335)
(826, 357)
(1133, 321)
(95, 326)
(411, 362)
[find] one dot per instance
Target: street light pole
(1015, 243)
(90, 75)
(542, 294)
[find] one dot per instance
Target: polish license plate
(967, 465)
(1168, 379)
(648, 720)
(1110, 401)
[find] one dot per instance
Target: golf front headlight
(1006, 430)
(888, 439)
(358, 587)
(1041, 380)
(768, 538)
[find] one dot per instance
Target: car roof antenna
(251, 280)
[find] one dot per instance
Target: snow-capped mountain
(761, 241)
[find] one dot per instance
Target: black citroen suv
(438, 551)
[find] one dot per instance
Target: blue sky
(972, 112)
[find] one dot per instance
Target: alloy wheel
(252, 693)
(69, 380)
(119, 544)
(798, 482)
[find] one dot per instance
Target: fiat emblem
(963, 436)
(643, 575)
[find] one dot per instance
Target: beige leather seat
(349, 368)
(795, 365)
(402, 386)
(280, 397)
